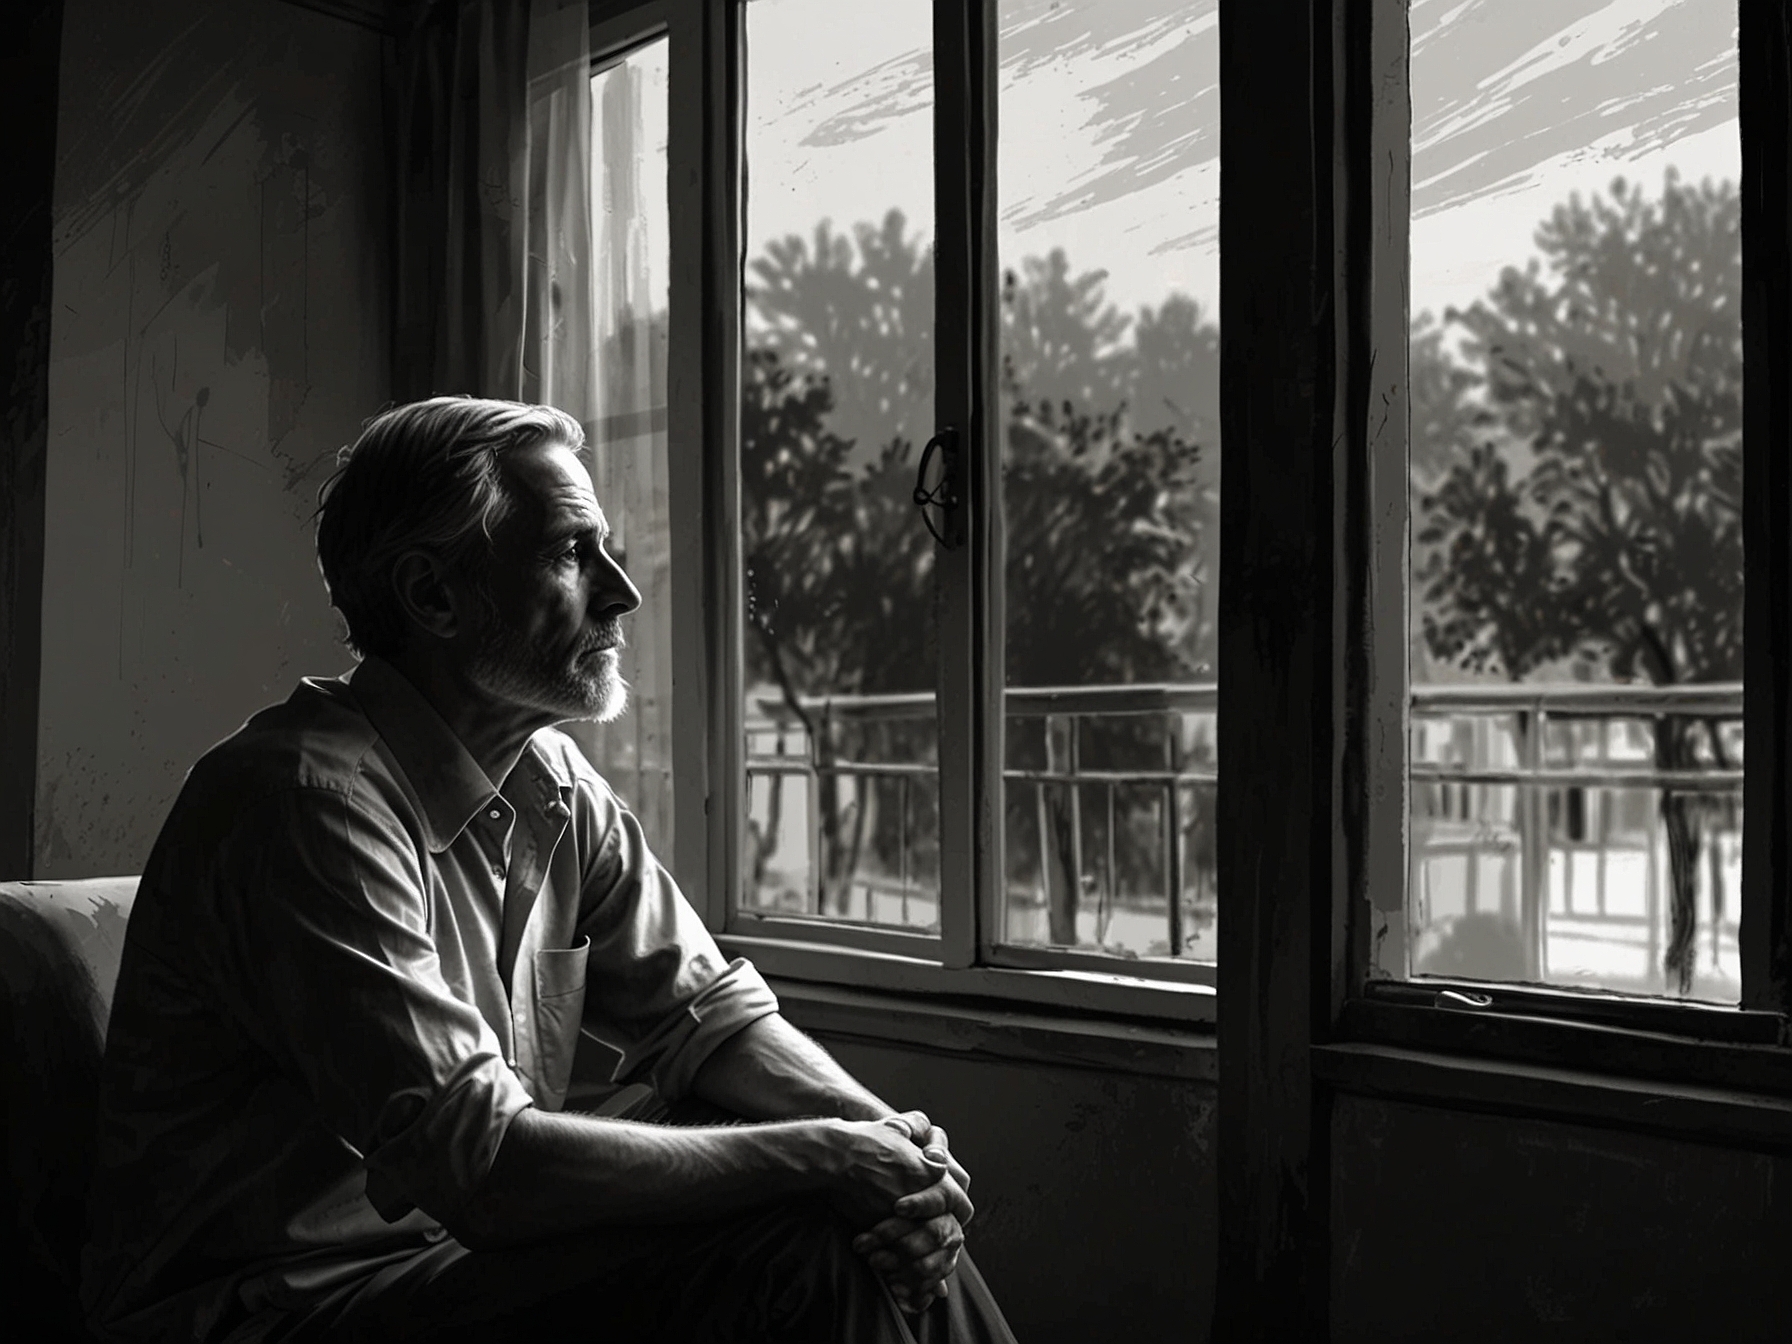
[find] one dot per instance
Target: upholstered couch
(59, 946)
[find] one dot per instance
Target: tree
(837, 578)
(1598, 516)
(1107, 517)
(855, 308)
(1445, 416)
(1102, 574)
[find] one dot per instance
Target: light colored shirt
(351, 962)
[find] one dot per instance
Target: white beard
(588, 686)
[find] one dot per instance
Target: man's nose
(615, 593)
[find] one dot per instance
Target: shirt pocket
(559, 1009)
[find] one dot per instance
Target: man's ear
(420, 582)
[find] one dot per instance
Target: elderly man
(365, 945)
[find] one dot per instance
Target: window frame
(965, 959)
(1314, 230)
(1364, 789)
(1312, 825)
(1648, 1037)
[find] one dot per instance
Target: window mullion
(1375, 513)
(1284, 662)
(968, 576)
(703, 488)
(1765, 96)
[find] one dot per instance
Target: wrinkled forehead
(551, 493)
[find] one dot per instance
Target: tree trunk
(1680, 818)
(774, 821)
(831, 862)
(851, 865)
(1063, 878)
(831, 859)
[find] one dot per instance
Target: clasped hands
(913, 1243)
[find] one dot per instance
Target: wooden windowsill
(999, 1032)
(1691, 1112)
(1651, 1057)
(1094, 995)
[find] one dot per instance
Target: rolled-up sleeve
(658, 989)
(330, 958)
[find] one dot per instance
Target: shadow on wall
(219, 331)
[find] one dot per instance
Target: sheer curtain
(629, 304)
(527, 269)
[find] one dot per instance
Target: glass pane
(838, 639)
(1108, 184)
(1576, 541)
(628, 438)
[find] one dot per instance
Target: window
(1107, 200)
(1349, 769)
(979, 734)
(1558, 838)
(1576, 494)
(838, 634)
(923, 764)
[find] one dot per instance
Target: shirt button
(494, 814)
(498, 871)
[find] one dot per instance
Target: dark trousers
(783, 1273)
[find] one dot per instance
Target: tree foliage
(1106, 509)
(1591, 509)
(1110, 511)
(1581, 476)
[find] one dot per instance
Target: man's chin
(615, 702)
(604, 702)
(607, 691)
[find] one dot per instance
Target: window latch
(944, 495)
(1462, 998)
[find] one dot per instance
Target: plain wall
(218, 332)
(1471, 1228)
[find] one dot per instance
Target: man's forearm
(768, 1070)
(556, 1174)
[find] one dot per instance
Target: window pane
(628, 439)
(1575, 469)
(1108, 184)
(838, 638)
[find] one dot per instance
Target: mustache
(609, 636)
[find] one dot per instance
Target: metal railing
(1566, 794)
(1065, 784)
(1495, 770)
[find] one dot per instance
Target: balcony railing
(1090, 771)
(1536, 815)
(1543, 834)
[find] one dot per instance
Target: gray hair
(424, 476)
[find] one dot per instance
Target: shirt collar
(450, 786)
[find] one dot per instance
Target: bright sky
(1109, 125)
(840, 126)
(1518, 103)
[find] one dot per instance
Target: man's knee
(808, 1234)
(817, 1285)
